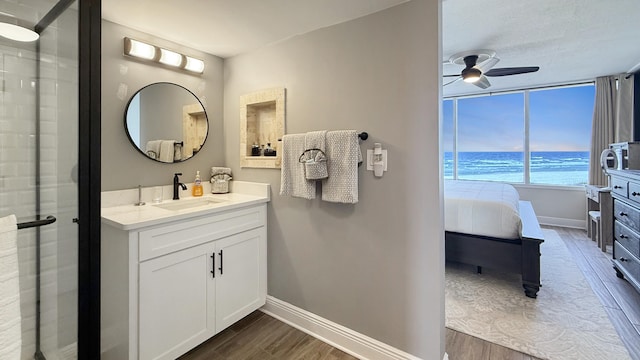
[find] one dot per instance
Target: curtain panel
(603, 126)
(624, 108)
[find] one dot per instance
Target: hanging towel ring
(315, 164)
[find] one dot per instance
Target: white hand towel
(315, 140)
(317, 169)
(167, 151)
(177, 151)
(10, 319)
(153, 148)
(218, 170)
(343, 155)
(292, 180)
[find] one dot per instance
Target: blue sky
(560, 120)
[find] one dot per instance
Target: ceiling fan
(479, 64)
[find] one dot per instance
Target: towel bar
(29, 224)
(363, 136)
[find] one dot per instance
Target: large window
(448, 137)
(531, 136)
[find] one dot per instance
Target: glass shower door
(58, 159)
(38, 172)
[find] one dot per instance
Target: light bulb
(139, 49)
(194, 65)
(170, 58)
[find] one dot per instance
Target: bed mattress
(482, 208)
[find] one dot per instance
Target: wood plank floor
(460, 346)
(259, 336)
(619, 298)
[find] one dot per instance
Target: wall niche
(262, 115)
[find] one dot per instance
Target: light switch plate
(370, 159)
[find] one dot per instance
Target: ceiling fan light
(471, 75)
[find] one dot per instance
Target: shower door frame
(89, 52)
(89, 122)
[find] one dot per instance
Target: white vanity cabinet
(186, 280)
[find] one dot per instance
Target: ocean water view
(546, 167)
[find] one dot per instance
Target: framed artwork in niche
(262, 116)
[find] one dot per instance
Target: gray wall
(560, 206)
(377, 266)
(123, 166)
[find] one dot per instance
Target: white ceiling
(230, 27)
(571, 40)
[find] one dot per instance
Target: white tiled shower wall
(17, 171)
(58, 128)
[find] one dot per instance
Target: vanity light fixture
(141, 50)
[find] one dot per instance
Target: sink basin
(188, 204)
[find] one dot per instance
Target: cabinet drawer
(166, 239)
(627, 215)
(619, 186)
(628, 238)
(634, 191)
(627, 261)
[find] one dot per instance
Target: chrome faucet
(176, 183)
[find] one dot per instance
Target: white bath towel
(10, 319)
(292, 180)
(153, 148)
(343, 155)
(167, 150)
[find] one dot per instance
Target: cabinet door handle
(213, 264)
(617, 187)
(623, 259)
(622, 213)
(221, 263)
(622, 236)
(635, 194)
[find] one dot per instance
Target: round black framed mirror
(166, 122)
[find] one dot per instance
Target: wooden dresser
(625, 190)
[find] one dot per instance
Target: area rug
(566, 321)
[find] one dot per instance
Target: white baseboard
(336, 335)
(562, 222)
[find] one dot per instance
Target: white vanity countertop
(131, 217)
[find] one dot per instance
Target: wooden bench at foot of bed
(521, 256)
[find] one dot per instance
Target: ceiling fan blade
(451, 82)
(483, 83)
(488, 64)
(455, 75)
(512, 71)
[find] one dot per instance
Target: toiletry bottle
(197, 186)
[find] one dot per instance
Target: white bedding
(482, 208)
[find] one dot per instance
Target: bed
(487, 225)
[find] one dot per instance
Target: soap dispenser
(197, 186)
